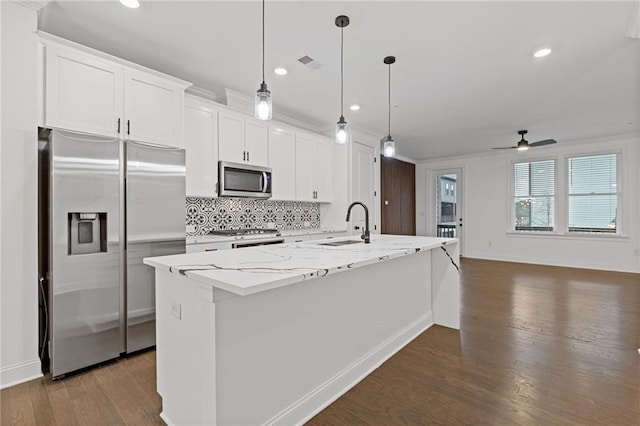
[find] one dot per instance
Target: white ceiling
(464, 81)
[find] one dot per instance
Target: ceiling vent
(309, 62)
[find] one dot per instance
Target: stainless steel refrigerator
(105, 204)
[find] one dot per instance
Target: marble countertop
(204, 239)
(255, 269)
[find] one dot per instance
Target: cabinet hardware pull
(247, 155)
(128, 127)
(244, 155)
(118, 126)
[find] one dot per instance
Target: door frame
(432, 181)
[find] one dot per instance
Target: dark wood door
(398, 187)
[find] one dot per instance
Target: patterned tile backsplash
(206, 214)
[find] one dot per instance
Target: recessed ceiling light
(541, 53)
(280, 71)
(354, 107)
(133, 4)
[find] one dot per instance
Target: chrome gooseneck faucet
(365, 235)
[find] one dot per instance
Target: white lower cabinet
(200, 133)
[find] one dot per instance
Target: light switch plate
(307, 224)
(175, 309)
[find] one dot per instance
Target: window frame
(512, 196)
(561, 209)
(619, 195)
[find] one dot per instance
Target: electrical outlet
(191, 228)
(271, 225)
(175, 309)
(307, 224)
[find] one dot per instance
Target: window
(534, 196)
(593, 193)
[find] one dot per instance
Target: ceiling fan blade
(543, 143)
(505, 147)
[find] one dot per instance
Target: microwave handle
(264, 181)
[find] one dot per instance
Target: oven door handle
(264, 181)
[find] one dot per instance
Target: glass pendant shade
(342, 131)
(264, 109)
(389, 148)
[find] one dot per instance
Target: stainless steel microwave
(243, 180)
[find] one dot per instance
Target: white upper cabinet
(314, 168)
(89, 91)
(200, 132)
(83, 93)
(304, 167)
(243, 139)
(256, 137)
(152, 109)
(231, 137)
(282, 160)
(323, 170)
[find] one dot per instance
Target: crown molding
(33, 5)
(244, 103)
(203, 93)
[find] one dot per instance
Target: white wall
(486, 210)
(18, 181)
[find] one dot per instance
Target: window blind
(593, 193)
(534, 196)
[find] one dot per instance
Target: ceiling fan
(523, 144)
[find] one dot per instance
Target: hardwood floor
(537, 345)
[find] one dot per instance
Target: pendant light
(264, 109)
(342, 128)
(389, 146)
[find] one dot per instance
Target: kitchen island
(273, 334)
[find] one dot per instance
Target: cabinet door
(152, 109)
(82, 92)
(282, 160)
(256, 142)
(231, 137)
(200, 131)
(322, 170)
(304, 161)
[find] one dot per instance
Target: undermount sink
(341, 243)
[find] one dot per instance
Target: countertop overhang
(251, 270)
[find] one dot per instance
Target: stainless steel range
(247, 231)
(251, 237)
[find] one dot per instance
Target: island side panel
(185, 350)
(284, 354)
(445, 287)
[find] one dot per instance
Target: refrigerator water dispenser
(87, 233)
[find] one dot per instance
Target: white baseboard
(315, 401)
(21, 372)
(535, 261)
(166, 419)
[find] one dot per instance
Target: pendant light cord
(389, 122)
(341, 72)
(263, 1)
